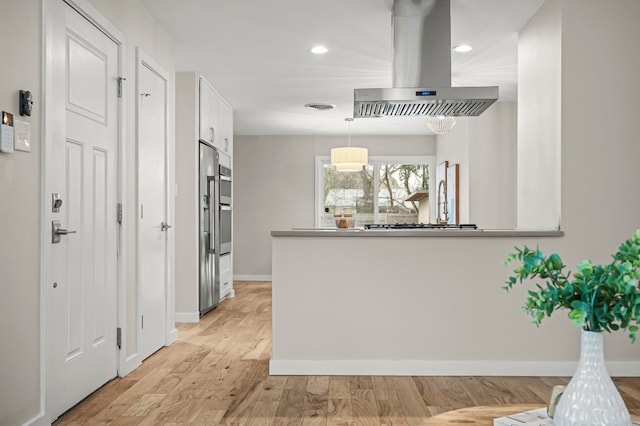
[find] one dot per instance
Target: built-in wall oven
(225, 212)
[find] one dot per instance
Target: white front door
(80, 271)
(152, 196)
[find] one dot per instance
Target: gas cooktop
(419, 226)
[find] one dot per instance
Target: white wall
(485, 149)
(453, 147)
(20, 218)
(600, 148)
(187, 155)
(140, 30)
(540, 58)
(20, 176)
(492, 168)
(581, 50)
(274, 187)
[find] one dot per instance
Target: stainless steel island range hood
(422, 69)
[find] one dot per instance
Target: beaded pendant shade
(439, 124)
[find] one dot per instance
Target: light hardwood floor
(217, 374)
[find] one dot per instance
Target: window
(387, 190)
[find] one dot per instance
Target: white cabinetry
(208, 116)
(225, 115)
(226, 274)
(215, 118)
(201, 113)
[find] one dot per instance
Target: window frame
(322, 160)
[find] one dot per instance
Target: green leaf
(585, 267)
(556, 262)
(577, 318)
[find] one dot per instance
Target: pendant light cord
(349, 120)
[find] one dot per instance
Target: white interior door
(152, 195)
(81, 166)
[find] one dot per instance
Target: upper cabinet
(225, 115)
(216, 118)
(208, 112)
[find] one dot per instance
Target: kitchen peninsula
(413, 302)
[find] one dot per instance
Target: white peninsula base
(415, 303)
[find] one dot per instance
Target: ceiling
(256, 54)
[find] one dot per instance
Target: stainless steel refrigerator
(209, 279)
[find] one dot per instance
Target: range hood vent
(422, 69)
(447, 101)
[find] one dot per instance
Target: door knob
(164, 226)
(57, 232)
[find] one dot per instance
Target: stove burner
(419, 226)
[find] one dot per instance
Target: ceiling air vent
(320, 107)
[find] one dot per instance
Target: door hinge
(120, 80)
(119, 213)
(119, 337)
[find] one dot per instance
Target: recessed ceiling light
(319, 50)
(462, 48)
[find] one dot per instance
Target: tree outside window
(378, 193)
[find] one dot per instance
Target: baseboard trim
(38, 420)
(129, 365)
(252, 278)
(190, 317)
(439, 368)
(172, 337)
(230, 295)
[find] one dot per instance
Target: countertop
(368, 233)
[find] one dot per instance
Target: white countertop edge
(310, 232)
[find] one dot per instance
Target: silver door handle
(57, 232)
(164, 226)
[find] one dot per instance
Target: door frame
(49, 117)
(144, 59)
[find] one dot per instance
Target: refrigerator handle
(211, 193)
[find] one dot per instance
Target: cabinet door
(226, 275)
(208, 113)
(203, 96)
(225, 114)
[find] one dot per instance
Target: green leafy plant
(598, 297)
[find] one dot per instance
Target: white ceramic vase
(591, 398)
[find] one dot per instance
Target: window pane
(347, 189)
(379, 193)
(404, 193)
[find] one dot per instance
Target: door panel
(73, 251)
(100, 249)
(152, 190)
(87, 70)
(81, 302)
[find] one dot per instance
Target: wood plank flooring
(217, 374)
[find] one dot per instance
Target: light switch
(6, 132)
(21, 136)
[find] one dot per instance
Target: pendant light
(440, 124)
(349, 158)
